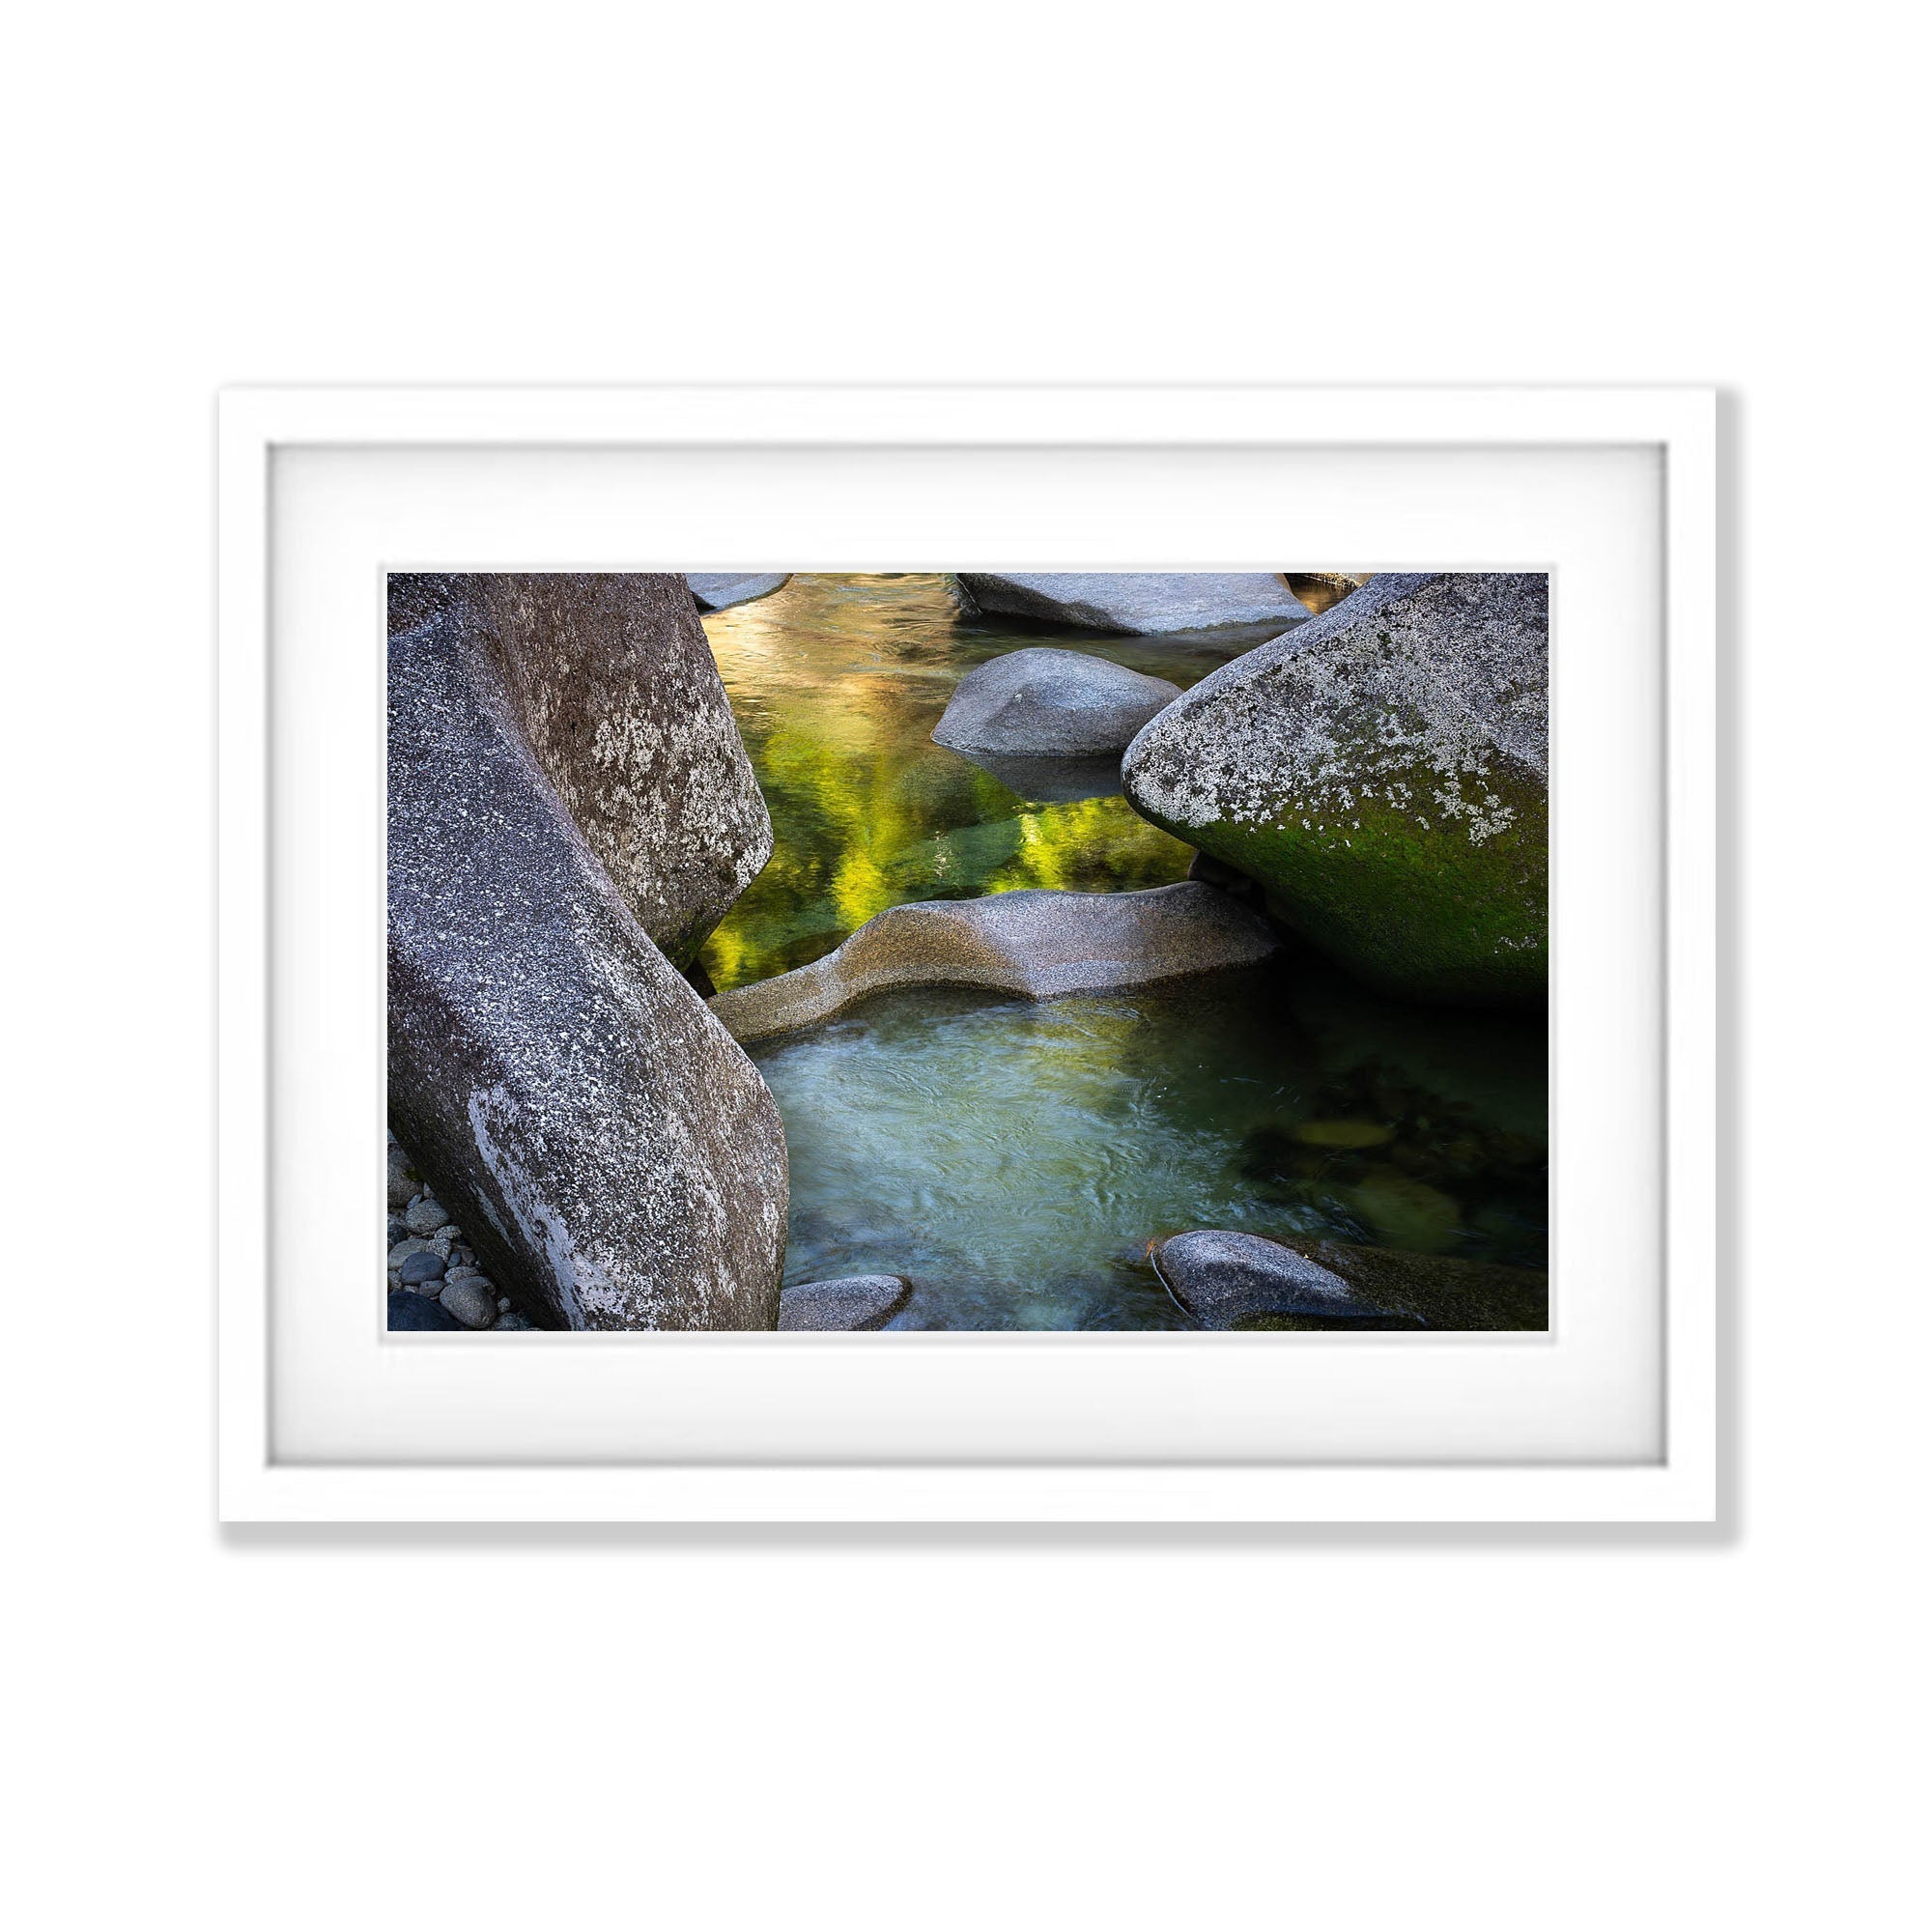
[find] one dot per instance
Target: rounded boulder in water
(1051, 703)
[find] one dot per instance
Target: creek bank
(613, 1157)
(1145, 604)
(1382, 771)
(1040, 944)
(1050, 703)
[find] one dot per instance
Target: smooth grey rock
(613, 1157)
(719, 591)
(1219, 1277)
(403, 1250)
(398, 1231)
(1050, 703)
(426, 1217)
(608, 682)
(408, 1311)
(855, 1301)
(404, 1182)
(1142, 602)
(1042, 944)
(420, 1268)
(474, 1303)
(1384, 772)
(510, 1320)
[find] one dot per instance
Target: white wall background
(695, 1730)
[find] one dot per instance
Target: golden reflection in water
(836, 683)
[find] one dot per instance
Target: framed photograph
(966, 954)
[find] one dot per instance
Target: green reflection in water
(836, 683)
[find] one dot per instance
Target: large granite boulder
(611, 685)
(1038, 943)
(1384, 772)
(1048, 703)
(720, 591)
(607, 1148)
(1141, 602)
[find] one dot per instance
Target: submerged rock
(718, 592)
(1384, 772)
(1050, 703)
(610, 1154)
(1220, 1277)
(1040, 944)
(1052, 781)
(1144, 603)
(610, 682)
(855, 1301)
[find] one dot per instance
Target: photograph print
(968, 951)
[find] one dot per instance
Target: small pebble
(502, 1304)
(471, 1302)
(458, 1272)
(425, 1216)
(512, 1320)
(420, 1268)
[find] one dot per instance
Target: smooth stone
(1435, 1290)
(398, 1231)
(417, 1311)
(713, 592)
(421, 1267)
(857, 1302)
(1050, 703)
(1052, 781)
(426, 1217)
(1382, 771)
(600, 1137)
(510, 1320)
(1036, 943)
(1220, 1276)
(1143, 603)
(474, 1302)
(403, 1250)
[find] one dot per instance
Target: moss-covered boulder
(1384, 772)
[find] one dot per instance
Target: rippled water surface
(1015, 1159)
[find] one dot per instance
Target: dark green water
(1013, 1159)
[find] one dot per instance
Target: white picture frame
(291, 1449)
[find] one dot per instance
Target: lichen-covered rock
(1038, 943)
(1144, 602)
(1384, 772)
(1220, 1277)
(720, 591)
(852, 1302)
(612, 686)
(1048, 703)
(608, 1151)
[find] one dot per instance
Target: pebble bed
(428, 1255)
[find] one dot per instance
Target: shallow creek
(1015, 1159)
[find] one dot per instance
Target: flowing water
(1015, 1159)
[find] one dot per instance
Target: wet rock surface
(1144, 603)
(1050, 703)
(1432, 1291)
(859, 1302)
(610, 682)
(1220, 1277)
(719, 590)
(1038, 943)
(613, 1157)
(1382, 771)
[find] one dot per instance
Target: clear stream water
(1015, 1159)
